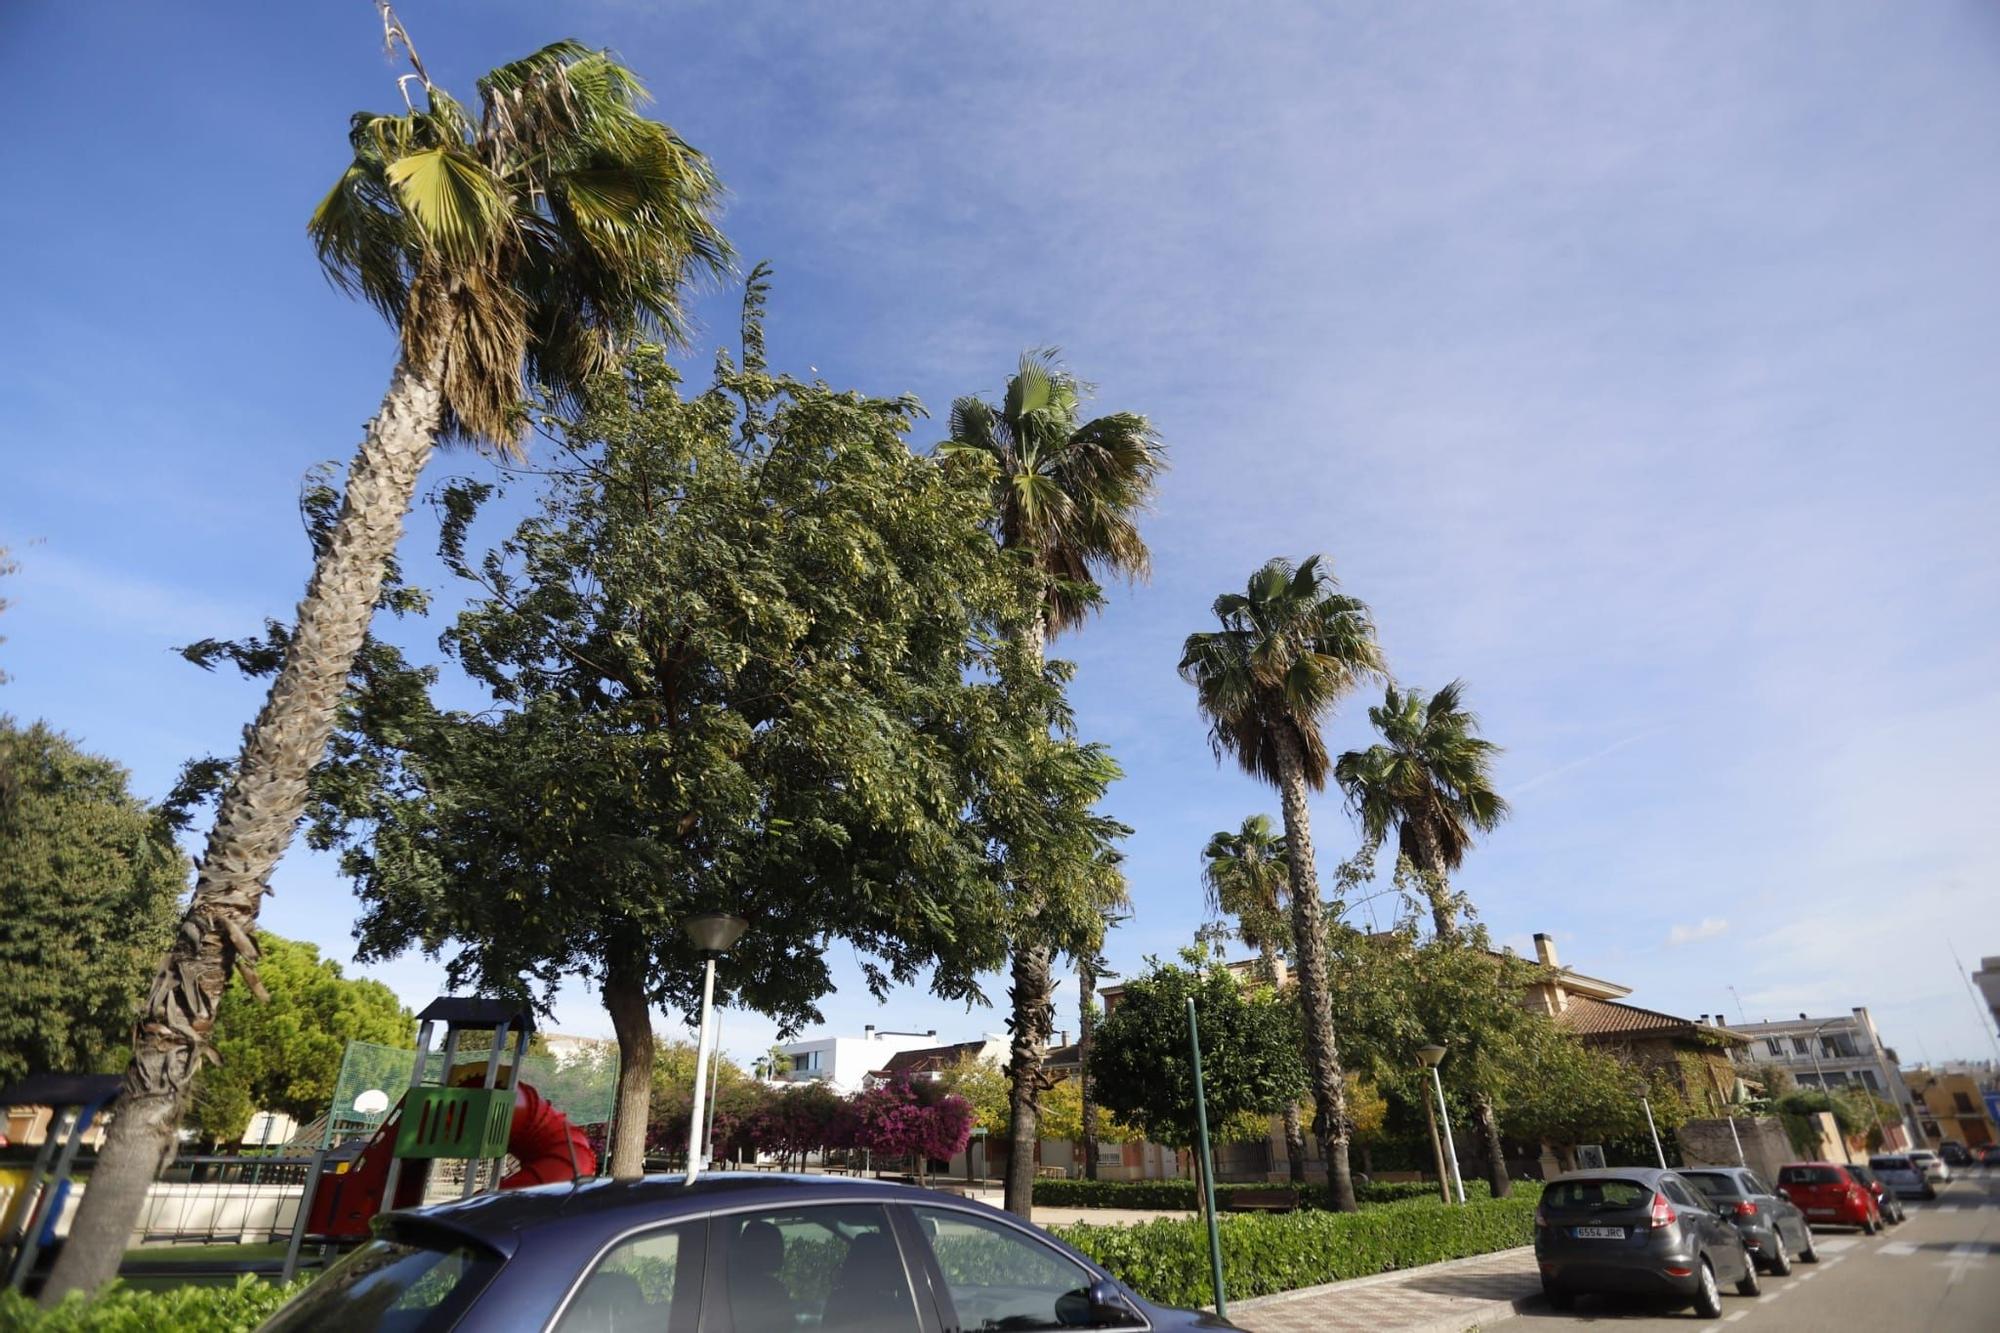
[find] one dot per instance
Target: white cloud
(1710, 927)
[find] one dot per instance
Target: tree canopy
(1250, 1052)
(90, 884)
(284, 1053)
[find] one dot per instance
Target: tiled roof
(931, 1059)
(1588, 1017)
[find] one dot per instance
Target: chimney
(1062, 1037)
(868, 1032)
(1802, 1018)
(931, 1032)
(1545, 950)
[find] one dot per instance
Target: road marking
(1962, 1258)
(1902, 1249)
(1835, 1244)
(1730, 1319)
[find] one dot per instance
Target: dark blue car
(730, 1254)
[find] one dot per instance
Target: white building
(844, 1062)
(1831, 1052)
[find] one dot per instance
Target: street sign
(1590, 1157)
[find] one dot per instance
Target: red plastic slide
(548, 1147)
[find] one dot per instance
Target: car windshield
(1715, 1184)
(1809, 1175)
(390, 1287)
(1596, 1196)
(1889, 1163)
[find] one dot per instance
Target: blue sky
(1635, 362)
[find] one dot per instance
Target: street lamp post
(1431, 1056)
(712, 934)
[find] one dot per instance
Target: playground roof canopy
(91, 1090)
(475, 1011)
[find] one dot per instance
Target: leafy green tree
(1251, 1067)
(520, 246)
(1289, 646)
(1065, 494)
(746, 653)
(284, 1053)
(7, 566)
(1566, 1093)
(1247, 877)
(90, 882)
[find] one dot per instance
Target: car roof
(500, 1219)
(1614, 1173)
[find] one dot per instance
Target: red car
(1829, 1196)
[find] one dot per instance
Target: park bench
(1260, 1201)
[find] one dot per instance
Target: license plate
(1600, 1233)
(1821, 1212)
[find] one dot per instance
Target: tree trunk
(1329, 1087)
(632, 1021)
(1488, 1124)
(1295, 1134)
(1428, 854)
(254, 822)
(1029, 1026)
(1086, 1022)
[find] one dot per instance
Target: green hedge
(1167, 1260)
(122, 1309)
(1170, 1195)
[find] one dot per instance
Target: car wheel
(1707, 1300)
(1810, 1254)
(1781, 1261)
(1749, 1285)
(1868, 1226)
(1559, 1298)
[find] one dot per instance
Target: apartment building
(1842, 1051)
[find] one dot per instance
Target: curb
(1472, 1312)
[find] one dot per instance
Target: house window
(1868, 1077)
(1799, 1045)
(1777, 1048)
(1964, 1104)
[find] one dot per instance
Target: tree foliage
(1251, 1066)
(90, 882)
(284, 1054)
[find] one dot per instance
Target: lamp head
(1430, 1055)
(714, 932)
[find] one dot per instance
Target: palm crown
(1430, 781)
(1291, 644)
(529, 244)
(1064, 492)
(1246, 875)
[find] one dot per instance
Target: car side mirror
(1109, 1308)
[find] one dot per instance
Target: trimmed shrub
(1171, 1195)
(1167, 1260)
(122, 1309)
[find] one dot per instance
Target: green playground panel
(455, 1122)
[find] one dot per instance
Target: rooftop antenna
(1741, 1017)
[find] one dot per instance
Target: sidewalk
(1440, 1298)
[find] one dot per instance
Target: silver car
(1903, 1174)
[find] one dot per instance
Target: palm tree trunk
(1029, 1026)
(1086, 1022)
(1429, 856)
(1329, 1086)
(632, 1021)
(254, 822)
(1295, 1134)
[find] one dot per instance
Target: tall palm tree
(1431, 781)
(1290, 645)
(520, 246)
(1247, 876)
(1066, 494)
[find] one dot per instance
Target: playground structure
(465, 1105)
(476, 1111)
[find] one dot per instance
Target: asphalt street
(1939, 1272)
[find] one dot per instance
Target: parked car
(1902, 1175)
(1639, 1230)
(1989, 1155)
(759, 1253)
(1829, 1196)
(1886, 1201)
(1933, 1165)
(1773, 1227)
(1955, 1153)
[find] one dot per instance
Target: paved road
(1939, 1272)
